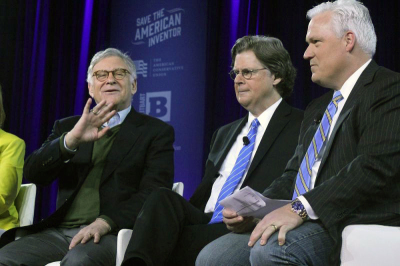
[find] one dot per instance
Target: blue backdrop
(166, 40)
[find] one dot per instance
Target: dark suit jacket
(275, 149)
(359, 176)
(140, 160)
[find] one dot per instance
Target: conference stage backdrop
(167, 41)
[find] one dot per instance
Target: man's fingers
(228, 213)
(86, 109)
(96, 237)
(255, 235)
(282, 235)
(97, 109)
(262, 231)
(107, 115)
(77, 238)
(86, 238)
(102, 132)
(266, 234)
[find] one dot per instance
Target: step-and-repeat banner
(167, 41)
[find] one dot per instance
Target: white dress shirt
(230, 160)
(345, 90)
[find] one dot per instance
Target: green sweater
(86, 206)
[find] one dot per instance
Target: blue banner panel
(167, 41)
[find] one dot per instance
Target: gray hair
(108, 53)
(350, 15)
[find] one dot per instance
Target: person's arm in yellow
(12, 152)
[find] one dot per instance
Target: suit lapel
(365, 78)
(84, 154)
(231, 138)
(278, 121)
(123, 143)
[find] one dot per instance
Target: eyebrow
(111, 70)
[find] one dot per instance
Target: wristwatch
(298, 207)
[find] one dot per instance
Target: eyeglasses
(246, 73)
(119, 73)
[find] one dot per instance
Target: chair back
(25, 204)
(178, 188)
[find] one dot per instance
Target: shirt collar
(122, 115)
(348, 86)
(265, 116)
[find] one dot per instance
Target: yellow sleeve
(12, 152)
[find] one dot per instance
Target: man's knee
(78, 256)
(265, 255)
(207, 257)
(161, 194)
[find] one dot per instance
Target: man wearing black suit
(107, 162)
(172, 231)
(356, 175)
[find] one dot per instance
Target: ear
(134, 87)
(349, 39)
(276, 81)
(91, 90)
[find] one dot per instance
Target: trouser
(52, 245)
(309, 244)
(170, 231)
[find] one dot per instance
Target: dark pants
(52, 245)
(170, 231)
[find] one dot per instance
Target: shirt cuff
(66, 153)
(307, 206)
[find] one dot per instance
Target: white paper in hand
(248, 202)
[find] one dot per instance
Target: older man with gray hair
(107, 161)
(346, 166)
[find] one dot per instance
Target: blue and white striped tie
(237, 172)
(303, 180)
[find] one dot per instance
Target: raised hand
(87, 128)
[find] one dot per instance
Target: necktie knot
(337, 97)
(255, 123)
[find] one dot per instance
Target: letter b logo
(158, 104)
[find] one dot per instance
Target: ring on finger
(275, 227)
(95, 113)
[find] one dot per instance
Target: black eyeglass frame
(248, 73)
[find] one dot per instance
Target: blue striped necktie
(303, 180)
(237, 172)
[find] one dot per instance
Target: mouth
(242, 91)
(110, 91)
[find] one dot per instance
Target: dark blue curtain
(45, 48)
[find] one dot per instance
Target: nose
(110, 78)
(239, 79)
(308, 54)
